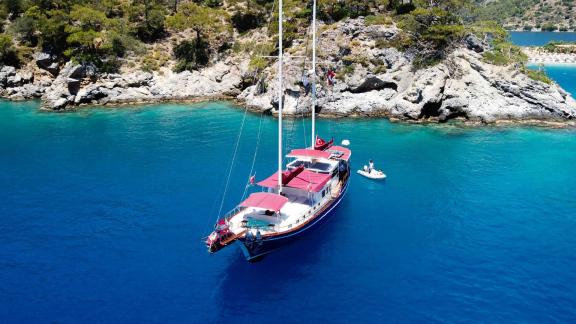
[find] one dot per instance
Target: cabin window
(323, 193)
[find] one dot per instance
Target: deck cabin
(312, 178)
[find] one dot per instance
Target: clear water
(540, 38)
(102, 212)
(564, 75)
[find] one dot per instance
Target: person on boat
(371, 166)
(306, 84)
(330, 76)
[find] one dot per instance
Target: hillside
(548, 15)
(421, 61)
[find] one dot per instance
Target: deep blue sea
(102, 212)
(523, 38)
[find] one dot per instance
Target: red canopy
(305, 180)
(309, 153)
(265, 200)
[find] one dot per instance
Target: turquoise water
(540, 38)
(564, 75)
(102, 212)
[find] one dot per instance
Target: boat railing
(330, 194)
(229, 214)
(304, 217)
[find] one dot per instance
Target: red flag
(252, 180)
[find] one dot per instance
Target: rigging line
(293, 122)
(232, 163)
(302, 112)
(239, 136)
(302, 74)
(255, 154)
(256, 73)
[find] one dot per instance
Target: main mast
(280, 96)
(314, 74)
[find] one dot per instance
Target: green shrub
(147, 19)
(8, 54)
(25, 27)
(381, 68)
(549, 27)
(378, 20)
(504, 53)
(430, 33)
(495, 57)
(191, 55)
(346, 70)
(244, 20)
(258, 64)
(13, 7)
(538, 75)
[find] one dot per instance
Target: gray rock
(382, 83)
(53, 68)
(8, 70)
(136, 79)
(59, 104)
(462, 86)
(73, 70)
(474, 44)
(43, 60)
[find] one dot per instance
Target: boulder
(136, 79)
(6, 72)
(59, 103)
(43, 60)
(73, 70)
(371, 82)
(474, 44)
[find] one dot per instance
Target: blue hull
(255, 250)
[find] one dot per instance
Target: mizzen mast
(313, 74)
(280, 96)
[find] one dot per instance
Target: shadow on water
(269, 278)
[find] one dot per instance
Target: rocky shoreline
(375, 81)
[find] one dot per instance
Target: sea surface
(522, 38)
(102, 213)
(564, 75)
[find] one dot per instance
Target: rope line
(255, 155)
(232, 163)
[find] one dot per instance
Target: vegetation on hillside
(546, 15)
(560, 47)
(107, 33)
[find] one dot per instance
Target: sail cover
(265, 200)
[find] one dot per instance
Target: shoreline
(239, 105)
(564, 64)
(463, 87)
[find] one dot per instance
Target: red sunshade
(265, 200)
(309, 153)
(305, 180)
(309, 180)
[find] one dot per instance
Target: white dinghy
(374, 174)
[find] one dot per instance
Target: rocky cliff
(373, 79)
